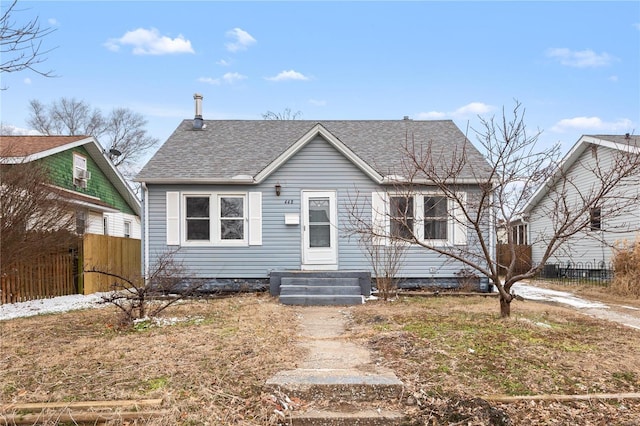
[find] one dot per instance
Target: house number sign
(288, 201)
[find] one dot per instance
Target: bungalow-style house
(266, 202)
(80, 172)
(614, 219)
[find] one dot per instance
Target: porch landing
(320, 287)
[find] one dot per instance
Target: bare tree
(122, 132)
(287, 114)
(21, 44)
(514, 170)
(139, 298)
(385, 259)
(35, 219)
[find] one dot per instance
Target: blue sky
(575, 66)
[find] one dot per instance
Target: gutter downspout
(145, 230)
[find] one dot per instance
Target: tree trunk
(505, 306)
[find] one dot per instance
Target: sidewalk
(625, 315)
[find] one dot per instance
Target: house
(616, 217)
(260, 202)
(101, 204)
(80, 171)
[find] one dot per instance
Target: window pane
(198, 229)
(402, 228)
(319, 210)
(231, 207)
(232, 229)
(435, 207)
(319, 235)
(435, 229)
(402, 206)
(197, 207)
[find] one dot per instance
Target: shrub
(626, 264)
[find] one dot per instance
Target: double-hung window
(231, 219)
(197, 218)
(436, 217)
(402, 217)
(429, 217)
(212, 219)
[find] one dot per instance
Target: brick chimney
(198, 122)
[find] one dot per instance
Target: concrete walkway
(336, 371)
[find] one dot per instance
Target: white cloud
(471, 109)
(613, 78)
(209, 80)
(637, 25)
(232, 77)
(53, 22)
(229, 78)
(288, 75)
(223, 63)
(10, 129)
(242, 40)
(431, 115)
(150, 42)
(317, 102)
(580, 58)
(592, 124)
(27, 80)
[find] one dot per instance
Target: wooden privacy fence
(116, 255)
(43, 277)
(523, 257)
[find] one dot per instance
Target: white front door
(319, 230)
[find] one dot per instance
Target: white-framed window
(80, 172)
(214, 218)
(231, 219)
(127, 229)
(197, 218)
(431, 217)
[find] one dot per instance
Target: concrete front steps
(318, 288)
(350, 394)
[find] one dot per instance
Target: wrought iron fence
(596, 272)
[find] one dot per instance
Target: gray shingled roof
(228, 148)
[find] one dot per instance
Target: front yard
(209, 359)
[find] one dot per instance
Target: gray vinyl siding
(317, 166)
(588, 248)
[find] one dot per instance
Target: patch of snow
(49, 306)
(545, 294)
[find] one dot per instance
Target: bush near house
(626, 264)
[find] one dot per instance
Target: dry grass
(210, 369)
(449, 350)
(626, 263)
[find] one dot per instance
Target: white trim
(218, 220)
(319, 258)
(48, 152)
(318, 130)
(172, 203)
(183, 219)
(145, 218)
(255, 218)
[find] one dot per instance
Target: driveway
(625, 315)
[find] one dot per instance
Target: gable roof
(626, 143)
(248, 151)
(20, 149)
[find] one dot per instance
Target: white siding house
(615, 218)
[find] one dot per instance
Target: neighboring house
(590, 249)
(80, 172)
(243, 201)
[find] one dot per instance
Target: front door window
(319, 222)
